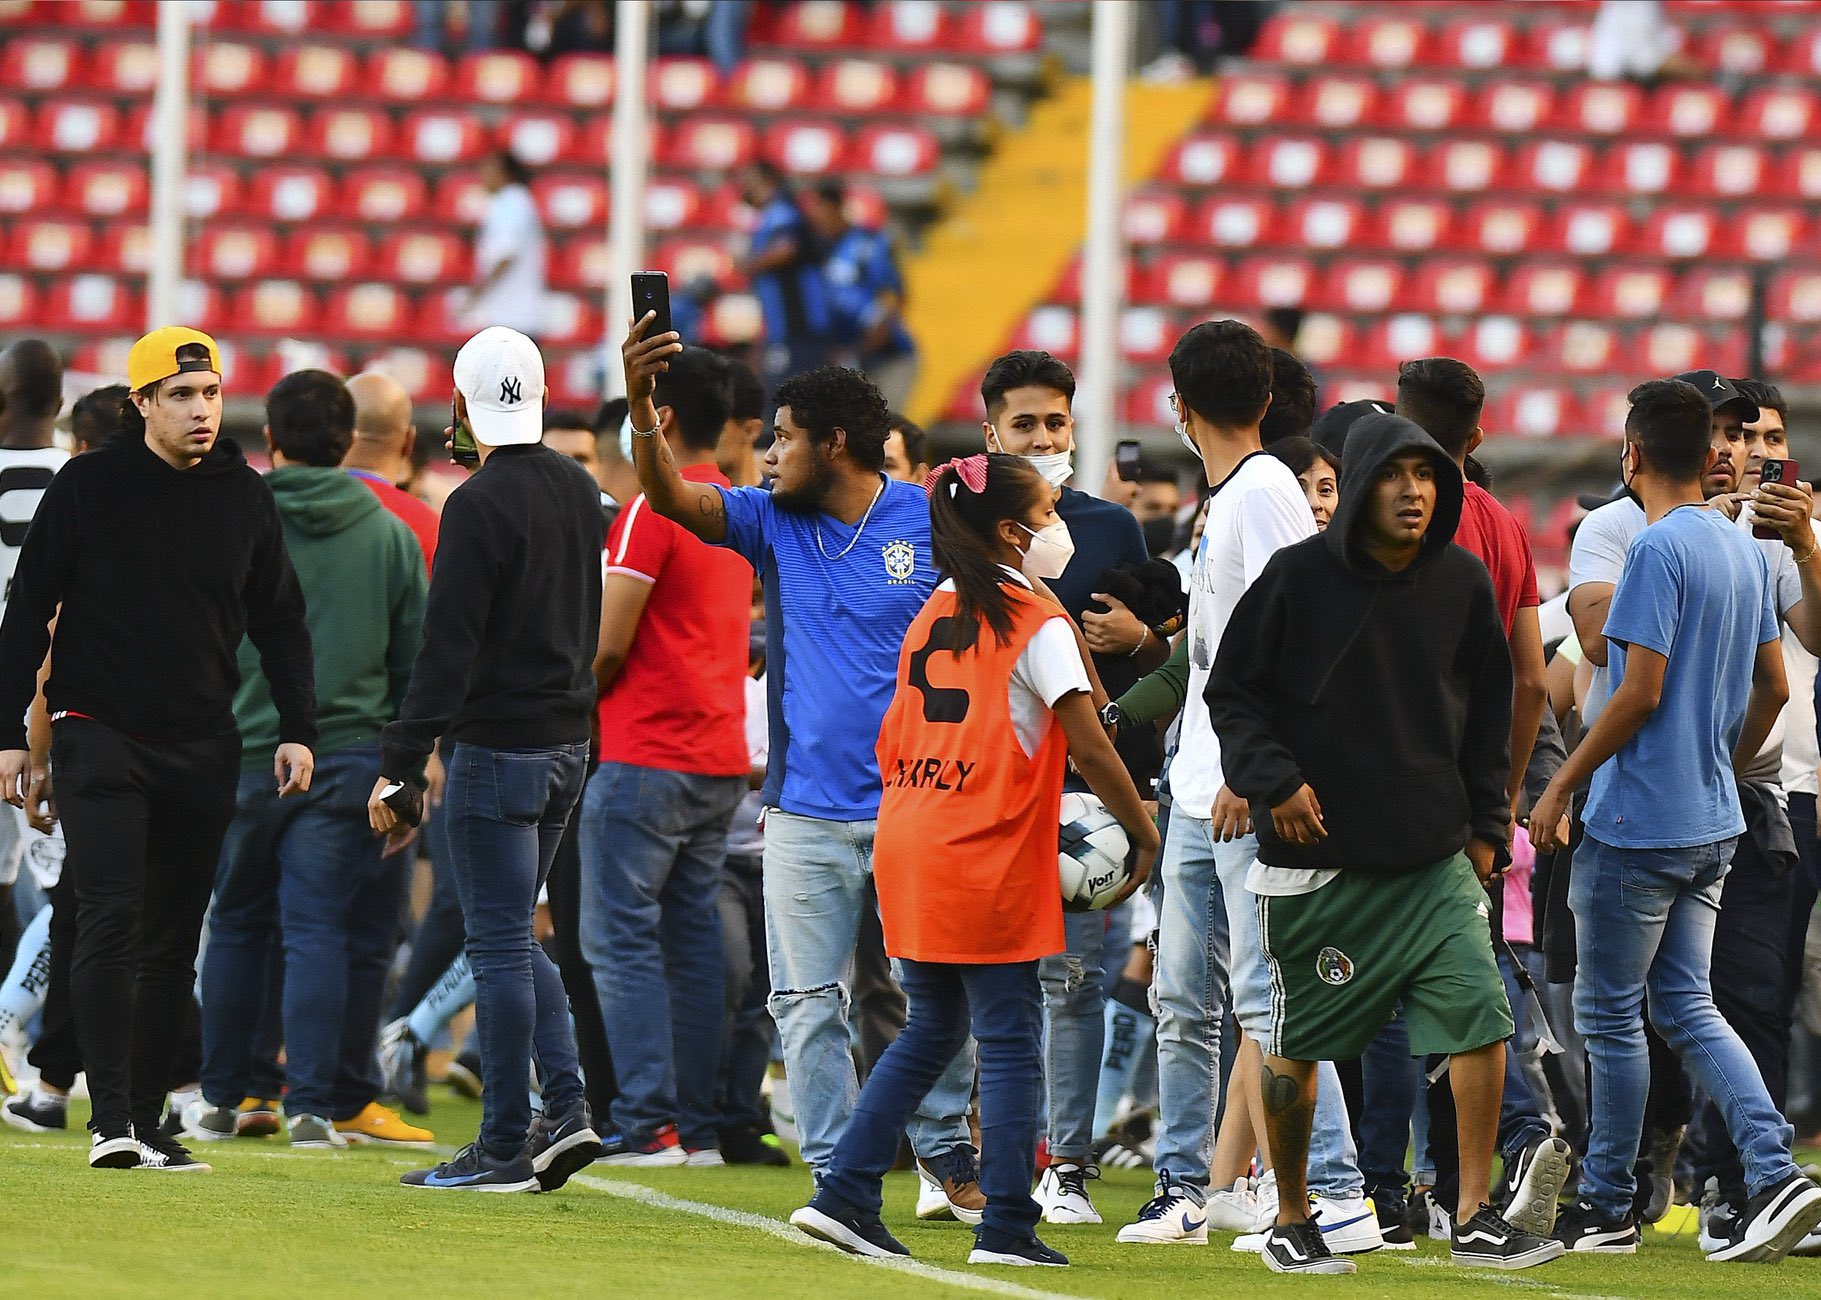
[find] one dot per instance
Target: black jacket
(1389, 694)
(160, 573)
(513, 617)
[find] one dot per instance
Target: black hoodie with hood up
(1389, 694)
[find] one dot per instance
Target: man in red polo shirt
(675, 614)
(380, 455)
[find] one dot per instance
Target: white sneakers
(1235, 1209)
(1175, 1216)
(1063, 1194)
(1264, 1201)
(1348, 1225)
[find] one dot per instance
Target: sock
(1129, 1030)
(41, 1097)
(453, 991)
(23, 992)
(183, 1097)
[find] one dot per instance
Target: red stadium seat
(1457, 288)
(1236, 223)
(672, 203)
(76, 126)
(1588, 230)
(566, 261)
(261, 131)
(1326, 340)
(1466, 166)
(712, 144)
(91, 304)
(372, 20)
(1385, 344)
(18, 303)
(1512, 107)
(895, 151)
(27, 185)
(1607, 108)
(442, 138)
(999, 27)
(275, 307)
(1798, 175)
(1325, 223)
(1203, 160)
(1543, 289)
(1733, 171)
(107, 190)
(457, 198)
(266, 17)
(49, 244)
(128, 69)
(349, 134)
(909, 27)
(1802, 56)
(581, 81)
(1484, 45)
(1531, 412)
(291, 194)
(572, 200)
(1493, 343)
(734, 320)
(1151, 217)
(422, 257)
(212, 190)
(1763, 235)
(819, 25)
(544, 139)
(136, 136)
(1741, 51)
(497, 77)
(1690, 112)
(1337, 103)
(1502, 227)
(1377, 163)
(1252, 99)
(685, 260)
(683, 85)
(1147, 402)
(1780, 113)
(1556, 166)
(405, 76)
(806, 148)
(1387, 43)
(1559, 47)
(861, 87)
(328, 256)
(1146, 335)
(368, 311)
(1362, 287)
(125, 248)
(1582, 348)
(1631, 292)
(1716, 295)
(1294, 163)
(236, 252)
(1050, 328)
(1411, 225)
(767, 86)
(1290, 37)
(947, 90)
(314, 72)
(1795, 297)
(384, 196)
(1669, 348)
(1638, 168)
(1428, 106)
(1274, 281)
(1679, 232)
(223, 70)
(40, 66)
(1186, 280)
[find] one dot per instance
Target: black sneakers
(1530, 1192)
(560, 1148)
(36, 1113)
(115, 1150)
(844, 1227)
(1299, 1248)
(1774, 1220)
(1000, 1248)
(1488, 1241)
(165, 1154)
(473, 1170)
(1583, 1228)
(1391, 1209)
(749, 1145)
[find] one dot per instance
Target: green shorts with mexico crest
(1342, 957)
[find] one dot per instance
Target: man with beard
(844, 555)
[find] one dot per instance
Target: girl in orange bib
(993, 696)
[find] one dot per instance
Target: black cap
(1329, 432)
(1718, 391)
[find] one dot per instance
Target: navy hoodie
(1389, 694)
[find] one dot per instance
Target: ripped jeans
(816, 873)
(1074, 996)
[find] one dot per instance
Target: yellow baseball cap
(170, 351)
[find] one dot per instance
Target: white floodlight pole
(626, 169)
(1102, 285)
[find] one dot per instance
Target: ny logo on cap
(509, 392)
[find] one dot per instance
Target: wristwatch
(1111, 715)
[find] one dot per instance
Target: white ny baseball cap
(500, 374)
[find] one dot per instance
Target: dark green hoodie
(1389, 694)
(362, 574)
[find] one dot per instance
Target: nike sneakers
(1062, 1193)
(258, 1118)
(561, 1147)
(1175, 1216)
(1583, 1228)
(314, 1133)
(660, 1150)
(166, 1155)
(1488, 1241)
(1299, 1248)
(1773, 1221)
(1531, 1188)
(1233, 1209)
(116, 1150)
(1348, 1224)
(845, 1228)
(948, 1186)
(473, 1170)
(208, 1123)
(992, 1247)
(37, 1111)
(381, 1126)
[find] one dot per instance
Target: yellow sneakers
(377, 1124)
(258, 1118)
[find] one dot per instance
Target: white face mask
(1182, 432)
(1056, 467)
(1050, 551)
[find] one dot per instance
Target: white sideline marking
(1497, 1278)
(785, 1233)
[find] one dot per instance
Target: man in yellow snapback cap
(157, 553)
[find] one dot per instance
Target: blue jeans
(653, 843)
(1644, 924)
(506, 810)
(750, 1032)
(308, 869)
(816, 876)
(1392, 1080)
(1074, 998)
(1004, 1006)
(1208, 926)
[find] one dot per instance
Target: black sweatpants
(144, 821)
(55, 1055)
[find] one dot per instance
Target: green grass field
(269, 1222)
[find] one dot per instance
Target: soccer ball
(1095, 857)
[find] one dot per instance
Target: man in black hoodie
(156, 555)
(1362, 698)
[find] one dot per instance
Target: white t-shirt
(1257, 511)
(1048, 668)
(24, 474)
(1801, 752)
(1630, 38)
(510, 229)
(746, 837)
(1552, 619)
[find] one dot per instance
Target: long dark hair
(962, 523)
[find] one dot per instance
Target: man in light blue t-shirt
(1697, 682)
(844, 556)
